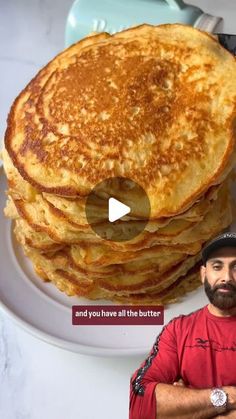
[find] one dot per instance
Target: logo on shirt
(212, 344)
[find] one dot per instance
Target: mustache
(229, 287)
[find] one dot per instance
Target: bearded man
(191, 369)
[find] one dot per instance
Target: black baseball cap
(223, 240)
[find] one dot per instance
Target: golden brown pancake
(44, 221)
(153, 103)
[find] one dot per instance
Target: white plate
(45, 312)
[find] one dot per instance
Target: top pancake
(155, 104)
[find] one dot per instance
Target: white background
(38, 380)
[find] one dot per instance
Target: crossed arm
(156, 393)
(178, 401)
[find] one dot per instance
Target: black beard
(223, 301)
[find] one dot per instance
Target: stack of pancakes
(155, 104)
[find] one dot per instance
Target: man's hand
(179, 383)
(229, 415)
(231, 390)
(181, 402)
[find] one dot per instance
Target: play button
(117, 209)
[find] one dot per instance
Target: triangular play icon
(116, 209)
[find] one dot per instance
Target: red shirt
(199, 347)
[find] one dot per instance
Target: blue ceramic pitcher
(111, 16)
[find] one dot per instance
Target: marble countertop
(38, 380)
